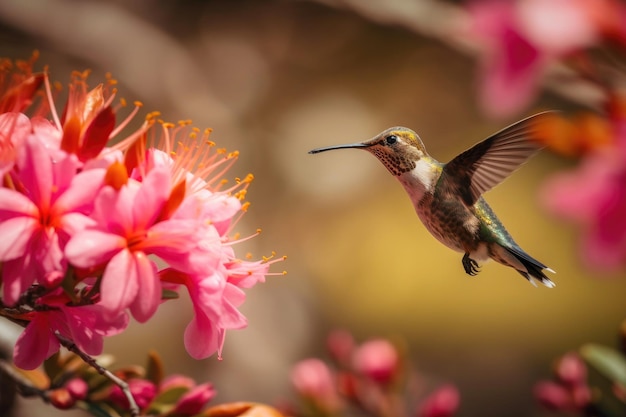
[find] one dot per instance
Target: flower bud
(571, 370)
(442, 403)
(77, 388)
(340, 344)
(377, 359)
(552, 396)
(194, 400)
(143, 392)
(61, 399)
(177, 381)
(312, 379)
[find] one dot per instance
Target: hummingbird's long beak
(350, 145)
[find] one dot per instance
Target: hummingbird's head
(398, 148)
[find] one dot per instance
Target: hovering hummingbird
(447, 197)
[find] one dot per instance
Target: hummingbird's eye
(391, 139)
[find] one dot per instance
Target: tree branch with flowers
(85, 214)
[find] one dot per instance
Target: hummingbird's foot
(471, 266)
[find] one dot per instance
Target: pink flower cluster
(189, 403)
(522, 38)
(569, 392)
(92, 231)
(370, 377)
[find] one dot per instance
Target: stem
(71, 346)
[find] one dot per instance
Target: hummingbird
(448, 196)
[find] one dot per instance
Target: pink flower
(340, 344)
(594, 195)
(215, 303)
(143, 392)
(377, 360)
(521, 39)
(553, 396)
(444, 402)
(129, 228)
(571, 370)
(84, 325)
(49, 205)
(313, 379)
(194, 400)
(77, 388)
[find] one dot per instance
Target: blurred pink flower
(49, 204)
(143, 392)
(444, 402)
(378, 360)
(314, 380)
(77, 388)
(571, 370)
(194, 400)
(521, 38)
(594, 195)
(341, 344)
(553, 396)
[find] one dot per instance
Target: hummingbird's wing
(489, 162)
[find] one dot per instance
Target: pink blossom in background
(314, 380)
(143, 392)
(594, 195)
(444, 402)
(521, 38)
(193, 401)
(378, 360)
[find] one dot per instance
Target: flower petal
(90, 248)
(16, 234)
(36, 172)
(147, 301)
(13, 203)
(201, 337)
(120, 283)
(35, 344)
(81, 192)
(14, 280)
(151, 196)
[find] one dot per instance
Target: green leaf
(101, 410)
(607, 361)
(52, 367)
(166, 400)
(154, 368)
(607, 370)
(169, 294)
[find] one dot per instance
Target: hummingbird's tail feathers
(534, 268)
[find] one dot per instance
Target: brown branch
(71, 346)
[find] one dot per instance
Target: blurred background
(277, 78)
